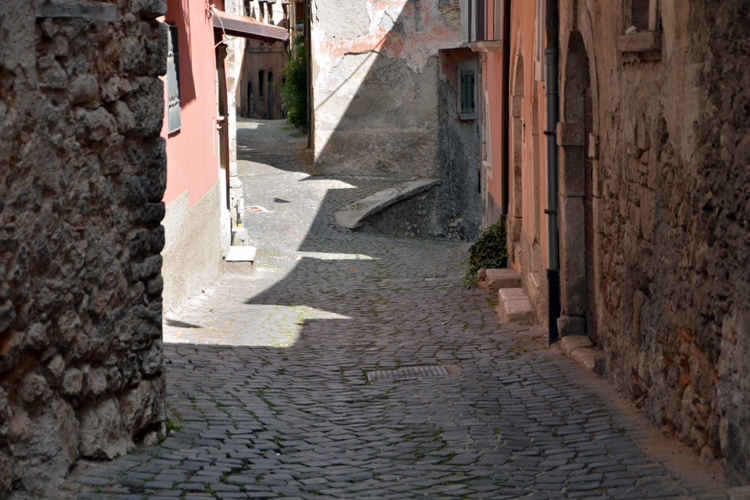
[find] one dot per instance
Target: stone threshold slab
(241, 254)
(353, 215)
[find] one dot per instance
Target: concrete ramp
(353, 215)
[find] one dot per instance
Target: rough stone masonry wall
(674, 214)
(82, 173)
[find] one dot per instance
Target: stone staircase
(515, 306)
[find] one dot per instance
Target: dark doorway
(270, 94)
(249, 109)
(579, 109)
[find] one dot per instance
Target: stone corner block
(571, 326)
(586, 357)
(741, 493)
(571, 343)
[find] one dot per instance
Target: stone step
(515, 306)
(495, 279)
(581, 350)
(240, 260)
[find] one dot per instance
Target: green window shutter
(468, 100)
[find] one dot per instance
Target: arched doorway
(517, 131)
(577, 189)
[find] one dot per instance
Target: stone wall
(671, 148)
(83, 173)
(452, 209)
(375, 73)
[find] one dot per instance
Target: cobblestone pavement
(268, 375)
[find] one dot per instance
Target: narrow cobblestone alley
(268, 373)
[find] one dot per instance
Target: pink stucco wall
(193, 151)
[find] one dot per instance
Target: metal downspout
(552, 211)
(505, 89)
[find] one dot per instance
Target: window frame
(467, 67)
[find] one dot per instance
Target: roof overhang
(247, 27)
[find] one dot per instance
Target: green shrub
(294, 89)
(490, 251)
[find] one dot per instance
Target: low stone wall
(82, 177)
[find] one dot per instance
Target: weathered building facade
(204, 197)
(197, 221)
(261, 64)
(647, 176)
(386, 102)
(83, 172)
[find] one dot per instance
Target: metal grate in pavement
(407, 373)
(279, 255)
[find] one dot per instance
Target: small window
(261, 80)
(468, 103)
(466, 93)
(173, 82)
(639, 14)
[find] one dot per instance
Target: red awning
(247, 27)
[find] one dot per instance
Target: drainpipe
(552, 211)
(505, 92)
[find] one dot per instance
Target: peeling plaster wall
(375, 84)
(83, 172)
(672, 209)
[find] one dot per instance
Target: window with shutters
(467, 91)
(173, 82)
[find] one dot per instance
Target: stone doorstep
(514, 306)
(741, 493)
(501, 278)
(241, 254)
(581, 350)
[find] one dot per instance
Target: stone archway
(577, 172)
(517, 132)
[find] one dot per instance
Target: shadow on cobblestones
(268, 376)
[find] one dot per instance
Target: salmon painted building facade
(204, 194)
